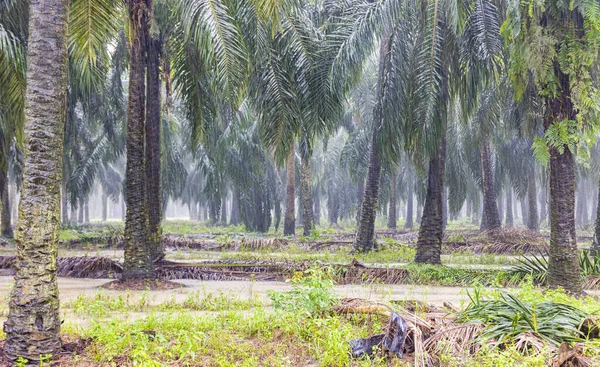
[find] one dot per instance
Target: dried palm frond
(529, 343)
(78, 267)
(568, 356)
(362, 306)
(456, 340)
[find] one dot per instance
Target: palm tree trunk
(5, 227)
(86, 211)
(64, 203)
(509, 222)
(543, 206)
(581, 216)
(445, 207)
(597, 226)
(73, 216)
(563, 265)
(289, 224)
(104, 207)
(532, 212)
(490, 208)
(317, 211)
(153, 109)
(365, 233)
(308, 220)
(224, 210)
(333, 204)
(138, 263)
(524, 209)
(500, 207)
(392, 218)
(408, 223)
(235, 208)
(80, 213)
(33, 325)
(14, 202)
(431, 233)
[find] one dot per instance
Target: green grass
(299, 330)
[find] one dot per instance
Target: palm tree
(565, 87)
(32, 328)
(365, 234)
(138, 262)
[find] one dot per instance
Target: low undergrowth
(300, 328)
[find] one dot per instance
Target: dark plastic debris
(392, 340)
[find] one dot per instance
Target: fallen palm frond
(355, 274)
(508, 317)
(496, 248)
(78, 267)
(570, 356)
(88, 267)
(362, 306)
(534, 266)
(529, 343)
(459, 340)
(503, 241)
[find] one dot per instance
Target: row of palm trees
(284, 74)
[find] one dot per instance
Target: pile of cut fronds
(536, 266)
(78, 267)
(508, 319)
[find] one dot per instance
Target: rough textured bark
(138, 263)
(33, 325)
(408, 223)
(5, 227)
(509, 222)
(308, 219)
(153, 108)
(563, 264)
(392, 218)
(365, 233)
(490, 208)
(289, 224)
(431, 233)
